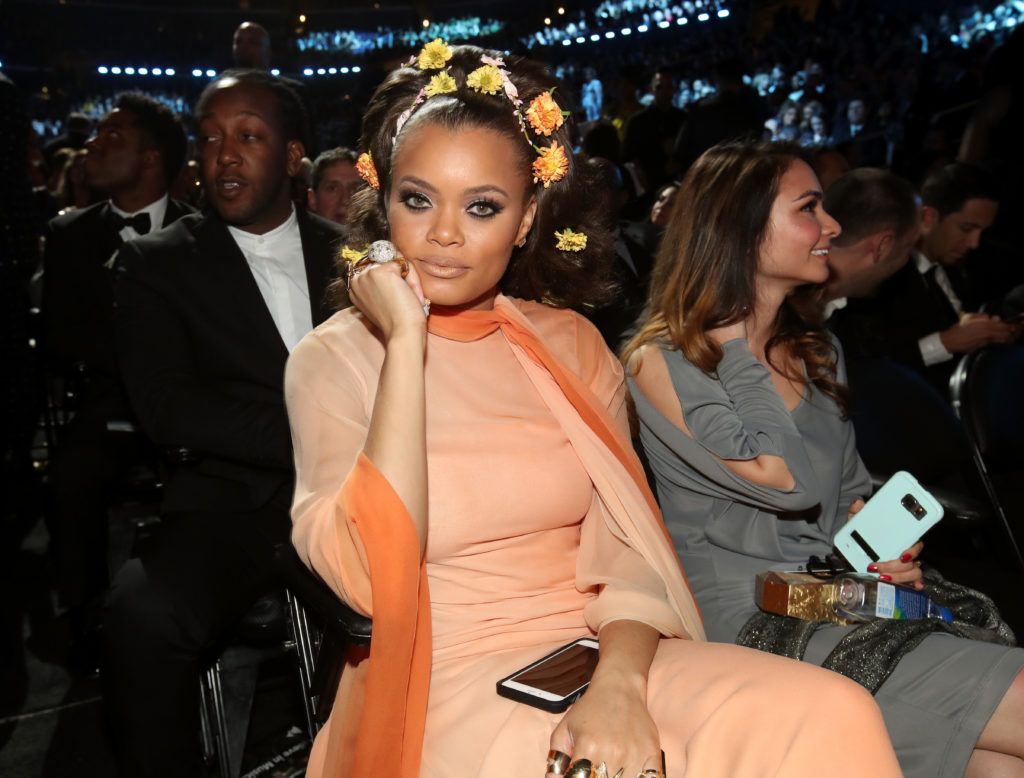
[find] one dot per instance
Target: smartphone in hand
(894, 519)
(556, 681)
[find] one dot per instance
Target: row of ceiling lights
(625, 31)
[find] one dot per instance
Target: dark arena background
(909, 86)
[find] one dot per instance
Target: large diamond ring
(382, 251)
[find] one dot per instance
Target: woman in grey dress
(741, 404)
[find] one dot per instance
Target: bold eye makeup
(484, 208)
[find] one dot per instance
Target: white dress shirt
(932, 350)
(276, 262)
(157, 211)
(834, 305)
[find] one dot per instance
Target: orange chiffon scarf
(389, 736)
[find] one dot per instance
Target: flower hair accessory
(367, 170)
(543, 115)
(570, 240)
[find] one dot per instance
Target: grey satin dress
(727, 529)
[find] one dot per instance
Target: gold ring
(581, 768)
(650, 772)
(355, 268)
(558, 762)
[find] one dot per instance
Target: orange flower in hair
(551, 164)
(544, 114)
(367, 170)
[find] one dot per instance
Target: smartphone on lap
(555, 681)
(893, 520)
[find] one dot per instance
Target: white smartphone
(556, 681)
(893, 520)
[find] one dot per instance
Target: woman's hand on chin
(610, 723)
(394, 304)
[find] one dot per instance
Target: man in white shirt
(208, 312)
(137, 150)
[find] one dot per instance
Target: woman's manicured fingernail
(905, 557)
(872, 568)
(885, 577)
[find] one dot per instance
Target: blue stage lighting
(102, 70)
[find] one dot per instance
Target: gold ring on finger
(581, 768)
(558, 762)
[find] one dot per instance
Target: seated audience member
(859, 133)
(901, 422)
(741, 403)
(334, 182)
(651, 130)
(919, 310)
(496, 396)
(208, 312)
(787, 122)
(77, 130)
(137, 151)
(250, 46)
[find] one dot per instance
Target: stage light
(307, 72)
(158, 71)
(595, 37)
(723, 13)
(642, 28)
(129, 71)
(426, 23)
(567, 42)
(581, 39)
(357, 69)
(344, 70)
(626, 31)
(169, 71)
(116, 71)
(143, 72)
(321, 71)
(682, 20)
(196, 72)
(702, 17)
(610, 34)
(547, 20)
(663, 24)
(275, 72)
(302, 18)
(211, 73)
(561, 11)
(332, 71)
(102, 70)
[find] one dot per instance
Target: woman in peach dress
(466, 477)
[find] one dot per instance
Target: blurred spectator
(787, 123)
(735, 112)
(77, 129)
(816, 133)
(650, 132)
(250, 46)
(661, 211)
(334, 181)
(592, 99)
(856, 130)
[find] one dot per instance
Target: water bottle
(867, 599)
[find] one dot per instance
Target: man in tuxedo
(208, 312)
(136, 153)
(920, 312)
(902, 423)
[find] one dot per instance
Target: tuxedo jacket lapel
(318, 249)
(237, 287)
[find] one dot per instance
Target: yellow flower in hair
(367, 170)
(544, 114)
(570, 240)
(352, 255)
(434, 55)
(486, 79)
(441, 84)
(551, 165)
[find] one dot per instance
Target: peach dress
(522, 558)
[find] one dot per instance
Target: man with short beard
(136, 153)
(207, 315)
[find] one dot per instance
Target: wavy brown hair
(537, 270)
(704, 275)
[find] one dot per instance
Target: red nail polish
(872, 568)
(905, 557)
(885, 577)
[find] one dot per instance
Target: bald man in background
(250, 47)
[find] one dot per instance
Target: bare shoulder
(649, 371)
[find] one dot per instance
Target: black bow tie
(139, 222)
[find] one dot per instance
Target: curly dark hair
(537, 270)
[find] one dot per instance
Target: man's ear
(929, 219)
(296, 151)
(881, 245)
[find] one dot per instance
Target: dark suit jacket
(640, 241)
(203, 361)
(908, 307)
(78, 298)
